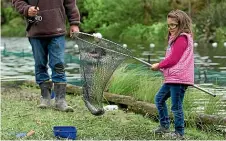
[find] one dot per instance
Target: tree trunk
(146, 108)
(147, 10)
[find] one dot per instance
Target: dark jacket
(54, 14)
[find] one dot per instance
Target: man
(46, 33)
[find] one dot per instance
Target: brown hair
(184, 22)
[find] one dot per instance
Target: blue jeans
(176, 92)
(49, 50)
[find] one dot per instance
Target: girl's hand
(155, 67)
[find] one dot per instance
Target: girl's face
(172, 26)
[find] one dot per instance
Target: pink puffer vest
(183, 71)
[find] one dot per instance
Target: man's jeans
(176, 92)
(49, 50)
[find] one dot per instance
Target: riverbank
(19, 114)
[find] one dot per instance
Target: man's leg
(56, 50)
(40, 54)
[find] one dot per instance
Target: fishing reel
(34, 19)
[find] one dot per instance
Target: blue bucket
(68, 132)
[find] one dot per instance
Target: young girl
(178, 71)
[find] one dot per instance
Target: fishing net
(99, 59)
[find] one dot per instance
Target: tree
(210, 19)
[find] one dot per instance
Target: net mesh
(99, 59)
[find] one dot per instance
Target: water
(17, 63)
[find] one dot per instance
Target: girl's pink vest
(183, 71)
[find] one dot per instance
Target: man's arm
(21, 6)
(72, 12)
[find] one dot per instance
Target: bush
(138, 33)
(221, 34)
(209, 20)
(16, 27)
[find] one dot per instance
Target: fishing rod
(35, 19)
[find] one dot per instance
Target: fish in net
(99, 59)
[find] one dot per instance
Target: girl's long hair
(184, 22)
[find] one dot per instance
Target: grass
(136, 82)
(143, 84)
(20, 114)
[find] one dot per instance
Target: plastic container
(111, 107)
(21, 135)
(68, 132)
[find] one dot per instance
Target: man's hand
(73, 29)
(155, 67)
(32, 11)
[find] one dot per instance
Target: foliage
(120, 20)
(138, 33)
(114, 18)
(12, 22)
(159, 10)
(103, 13)
(124, 83)
(111, 17)
(209, 20)
(8, 13)
(14, 27)
(212, 105)
(192, 7)
(221, 34)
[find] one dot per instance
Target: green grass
(136, 82)
(143, 84)
(20, 114)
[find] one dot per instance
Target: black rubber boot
(60, 102)
(46, 94)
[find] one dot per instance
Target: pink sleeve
(178, 49)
